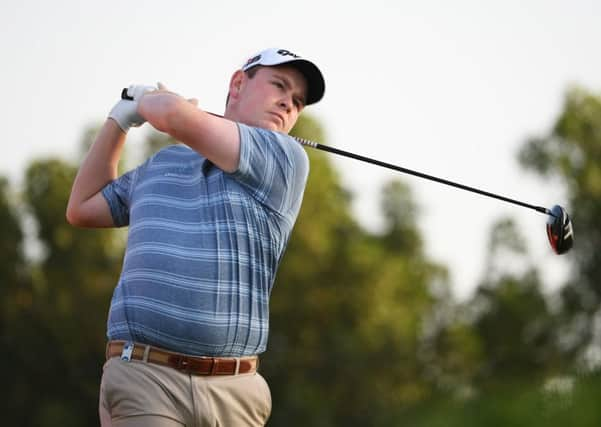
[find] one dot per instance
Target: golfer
(209, 220)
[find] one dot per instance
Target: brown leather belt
(194, 365)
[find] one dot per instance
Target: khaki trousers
(136, 394)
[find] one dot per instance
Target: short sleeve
(273, 167)
(118, 196)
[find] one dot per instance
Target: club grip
(124, 95)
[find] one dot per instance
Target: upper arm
(273, 167)
(109, 207)
(94, 212)
(213, 137)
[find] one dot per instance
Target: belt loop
(146, 353)
(214, 366)
(237, 371)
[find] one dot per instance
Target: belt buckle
(184, 364)
(128, 349)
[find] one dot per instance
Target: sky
(451, 89)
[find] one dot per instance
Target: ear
(236, 84)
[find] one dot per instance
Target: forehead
(293, 77)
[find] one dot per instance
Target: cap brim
(315, 82)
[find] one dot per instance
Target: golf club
(559, 226)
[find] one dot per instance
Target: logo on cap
(253, 59)
(285, 52)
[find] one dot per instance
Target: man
(208, 221)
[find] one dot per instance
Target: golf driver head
(559, 230)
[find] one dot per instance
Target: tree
(571, 154)
(55, 342)
(511, 315)
(15, 300)
(348, 308)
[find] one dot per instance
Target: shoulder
(174, 155)
(276, 142)
(173, 152)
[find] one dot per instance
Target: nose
(286, 104)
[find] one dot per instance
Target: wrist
(125, 114)
(125, 111)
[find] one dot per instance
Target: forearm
(213, 137)
(172, 114)
(160, 108)
(100, 165)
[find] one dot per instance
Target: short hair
(250, 73)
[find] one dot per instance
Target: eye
(278, 84)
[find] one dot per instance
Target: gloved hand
(125, 111)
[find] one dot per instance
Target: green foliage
(511, 316)
(54, 345)
(400, 213)
(557, 403)
(364, 328)
(11, 239)
(505, 236)
(571, 153)
(348, 308)
(15, 292)
(514, 327)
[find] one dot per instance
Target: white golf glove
(125, 111)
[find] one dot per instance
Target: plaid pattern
(204, 245)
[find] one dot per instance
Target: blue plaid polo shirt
(204, 245)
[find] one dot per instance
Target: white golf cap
(271, 57)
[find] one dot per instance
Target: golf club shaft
(333, 150)
(318, 146)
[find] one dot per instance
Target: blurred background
(398, 302)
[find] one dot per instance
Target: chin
(270, 125)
